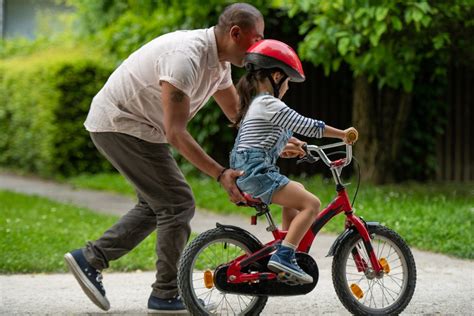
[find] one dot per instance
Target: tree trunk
(380, 117)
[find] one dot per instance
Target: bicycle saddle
(249, 201)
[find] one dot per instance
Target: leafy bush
(44, 99)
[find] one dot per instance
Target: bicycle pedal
(283, 276)
(288, 279)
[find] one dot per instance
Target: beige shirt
(130, 101)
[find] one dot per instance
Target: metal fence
(455, 154)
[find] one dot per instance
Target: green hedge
(44, 99)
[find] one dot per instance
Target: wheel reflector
(385, 265)
(356, 290)
(208, 279)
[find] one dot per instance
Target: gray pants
(165, 203)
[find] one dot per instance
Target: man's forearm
(176, 109)
(190, 149)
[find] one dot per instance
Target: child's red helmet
(275, 54)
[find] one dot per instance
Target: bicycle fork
(361, 264)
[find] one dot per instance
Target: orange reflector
(385, 265)
(357, 291)
(208, 280)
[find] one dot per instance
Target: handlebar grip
(352, 136)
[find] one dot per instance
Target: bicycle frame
(340, 204)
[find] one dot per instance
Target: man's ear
(235, 32)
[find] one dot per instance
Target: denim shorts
(261, 178)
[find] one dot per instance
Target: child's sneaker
(284, 260)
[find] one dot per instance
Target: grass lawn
(35, 233)
(429, 216)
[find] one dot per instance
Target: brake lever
(308, 158)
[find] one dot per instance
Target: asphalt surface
(444, 285)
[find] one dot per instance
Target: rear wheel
(197, 265)
(364, 292)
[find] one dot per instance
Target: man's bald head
(243, 15)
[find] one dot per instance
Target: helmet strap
(276, 86)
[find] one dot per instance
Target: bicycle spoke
(366, 291)
(394, 278)
(372, 299)
(383, 294)
(398, 273)
(358, 274)
(388, 292)
(228, 304)
(397, 267)
(220, 302)
(238, 299)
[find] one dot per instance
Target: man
(144, 106)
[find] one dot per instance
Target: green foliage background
(396, 43)
(386, 40)
(44, 100)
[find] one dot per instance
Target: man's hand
(293, 149)
(227, 180)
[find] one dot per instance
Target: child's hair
(247, 89)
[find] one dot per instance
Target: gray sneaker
(89, 278)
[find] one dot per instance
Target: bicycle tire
(341, 283)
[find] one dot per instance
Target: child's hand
(294, 148)
(350, 135)
(292, 151)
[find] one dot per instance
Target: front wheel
(195, 274)
(364, 292)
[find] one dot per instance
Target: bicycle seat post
(263, 209)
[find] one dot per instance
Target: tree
(385, 43)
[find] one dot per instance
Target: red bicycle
(224, 270)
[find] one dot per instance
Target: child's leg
(288, 214)
(295, 196)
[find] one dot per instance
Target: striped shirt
(268, 118)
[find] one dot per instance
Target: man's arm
(176, 113)
(228, 100)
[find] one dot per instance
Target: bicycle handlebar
(320, 151)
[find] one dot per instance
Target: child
(266, 125)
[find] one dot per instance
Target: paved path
(444, 285)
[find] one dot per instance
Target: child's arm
(297, 123)
(349, 135)
(280, 114)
